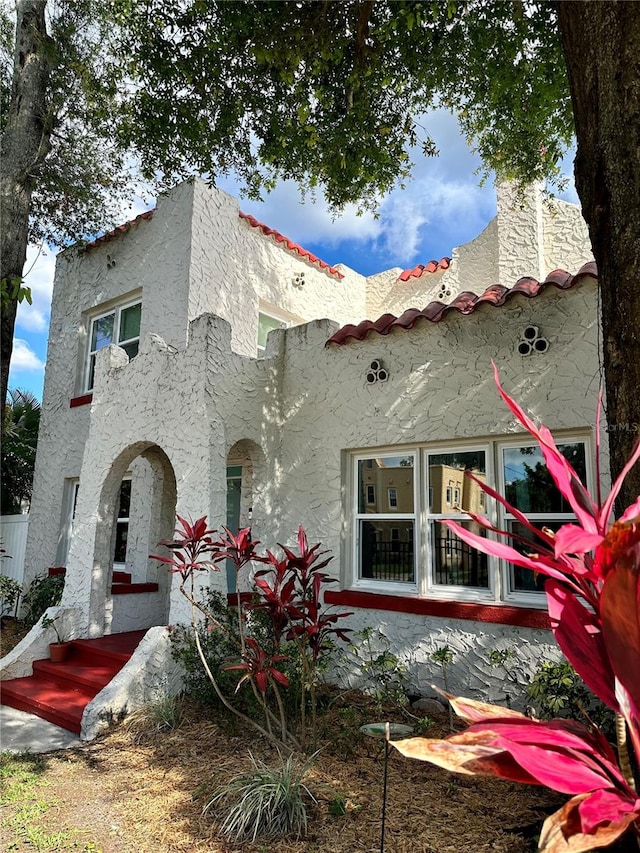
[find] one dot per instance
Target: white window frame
(498, 591)
(371, 584)
(370, 494)
(428, 583)
(523, 597)
(392, 497)
(285, 322)
(125, 519)
(70, 506)
(103, 312)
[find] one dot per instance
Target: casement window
(121, 326)
(69, 508)
(404, 545)
(385, 552)
(267, 323)
(525, 482)
(122, 523)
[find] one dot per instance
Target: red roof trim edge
(121, 229)
(421, 269)
(289, 244)
(524, 617)
(464, 303)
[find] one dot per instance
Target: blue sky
(442, 206)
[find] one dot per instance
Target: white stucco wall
(194, 391)
(235, 265)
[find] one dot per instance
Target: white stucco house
(356, 417)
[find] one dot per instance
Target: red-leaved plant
(593, 593)
(289, 591)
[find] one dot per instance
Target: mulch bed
(138, 789)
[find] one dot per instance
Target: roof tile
(289, 244)
(421, 269)
(120, 229)
(464, 303)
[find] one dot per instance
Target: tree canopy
(330, 94)
(20, 439)
(64, 171)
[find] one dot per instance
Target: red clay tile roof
(289, 244)
(421, 269)
(464, 303)
(120, 229)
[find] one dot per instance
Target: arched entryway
(129, 591)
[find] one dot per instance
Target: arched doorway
(136, 510)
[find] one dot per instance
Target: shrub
(44, 591)
(288, 600)
(384, 674)
(159, 717)
(219, 649)
(557, 691)
(10, 591)
(267, 801)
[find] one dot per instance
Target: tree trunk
(23, 148)
(601, 44)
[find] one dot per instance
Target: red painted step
(59, 692)
(120, 582)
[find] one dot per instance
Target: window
(385, 536)
(527, 485)
(122, 522)
(119, 326)
(267, 323)
(452, 562)
(405, 545)
(70, 505)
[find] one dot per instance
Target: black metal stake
(384, 787)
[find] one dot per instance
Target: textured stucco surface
(195, 399)
(148, 676)
(35, 646)
(413, 639)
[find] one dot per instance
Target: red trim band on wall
(80, 401)
(523, 617)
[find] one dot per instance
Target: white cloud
(24, 358)
(401, 220)
(443, 193)
(308, 221)
(39, 271)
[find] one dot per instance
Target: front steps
(120, 582)
(59, 692)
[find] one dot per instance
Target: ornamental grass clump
(266, 802)
(592, 585)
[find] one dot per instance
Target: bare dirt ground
(137, 790)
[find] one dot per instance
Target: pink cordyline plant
(593, 594)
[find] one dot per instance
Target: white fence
(13, 536)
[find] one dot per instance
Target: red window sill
(523, 617)
(84, 400)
